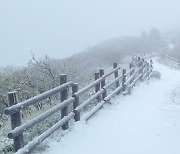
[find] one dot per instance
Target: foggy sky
(60, 28)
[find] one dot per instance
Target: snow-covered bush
(156, 74)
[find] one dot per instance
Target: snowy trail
(147, 122)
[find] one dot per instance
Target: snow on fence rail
(176, 60)
(139, 69)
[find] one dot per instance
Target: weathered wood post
(98, 86)
(148, 69)
(147, 65)
(130, 67)
(103, 83)
(15, 120)
(142, 69)
(64, 96)
(151, 65)
(134, 59)
(139, 59)
(124, 80)
(76, 102)
(116, 74)
(131, 73)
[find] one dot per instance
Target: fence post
(151, 65)
(98, 86)
(103, 83)
(76, 102)
(64, 96)
(124, 79)
(135, 59)
(130, 67)
(15, 120)
(130, 88)
(147, 65)
(142, 70)
(116, 74)
(148, 69)
(139, 59)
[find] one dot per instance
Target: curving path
(147, 122)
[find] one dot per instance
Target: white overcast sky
(60, 28)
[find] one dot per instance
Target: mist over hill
(43, 74)
(173, 37)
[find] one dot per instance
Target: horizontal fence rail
(106, 86)
(36, 99)
(18, 130)
(31, 145)
(176, 60)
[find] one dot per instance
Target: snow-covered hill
(147, 122)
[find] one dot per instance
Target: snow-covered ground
(147, 122)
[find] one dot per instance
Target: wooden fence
(139, 69)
